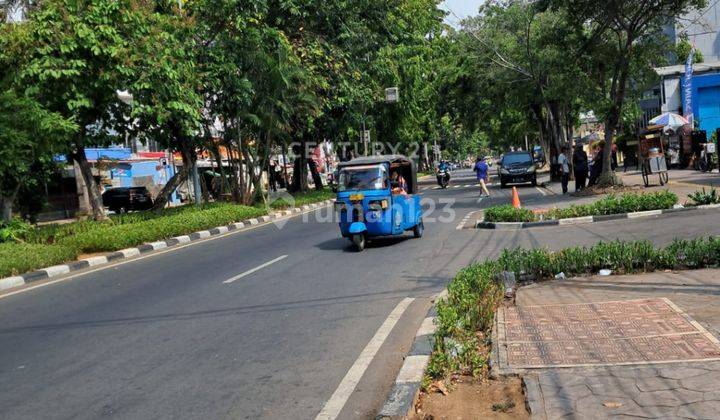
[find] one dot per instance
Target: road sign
(392, 95)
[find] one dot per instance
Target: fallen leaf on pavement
(612, 404)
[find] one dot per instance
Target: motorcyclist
(443, 173)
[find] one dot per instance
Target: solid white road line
(337, 401)
(541, 191)
(258, 268)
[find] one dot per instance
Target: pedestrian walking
(481, 169)
(564, 167)
(580, 166)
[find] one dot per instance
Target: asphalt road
(163, 336)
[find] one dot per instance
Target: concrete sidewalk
(642, 390)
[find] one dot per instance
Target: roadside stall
(651, 153)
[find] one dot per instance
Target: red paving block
(626, 332)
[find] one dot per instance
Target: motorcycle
(443, 178)
(704, 163)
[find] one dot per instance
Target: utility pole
(527, 146)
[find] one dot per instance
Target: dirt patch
(471, 398)
(617, 189)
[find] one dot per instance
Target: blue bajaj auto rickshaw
(377, 196)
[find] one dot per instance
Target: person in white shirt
(564, 164)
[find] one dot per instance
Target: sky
(462, 8)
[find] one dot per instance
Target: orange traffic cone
(516, 198)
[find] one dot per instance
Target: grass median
(38, 247)
(465, 317)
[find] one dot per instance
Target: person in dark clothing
(580, 167)
(614, 157)
(597, 166)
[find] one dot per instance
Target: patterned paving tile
(624, 332)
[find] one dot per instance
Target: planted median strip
(610, 205)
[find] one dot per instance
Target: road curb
(590, 219)
(62, 269)
(406, 390)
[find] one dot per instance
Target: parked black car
(517, 168)
(124, 199)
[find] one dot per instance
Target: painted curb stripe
(608, 217)
(412, 369)
(93, 261)
(576, 221)
(10, 282)
(182, 239)
(640, 214)
(427, 327)
(57, 270)
(400, 401)
(130, 252)
(159, 245)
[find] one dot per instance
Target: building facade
(705, 93)
(702, 29)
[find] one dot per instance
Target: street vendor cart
(651, 153)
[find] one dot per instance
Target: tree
(166, 84)
(619, 28)
(76, 59)
(30, 135)
(25, 132)
(512, 74)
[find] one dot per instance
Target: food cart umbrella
(669, 119)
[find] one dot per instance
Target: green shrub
(301, 199)
(507, 213)
(113, 236)
(18, 258)
(14, 231)
(614, 204)
(611, 204)
(470, 306)
(703, 198)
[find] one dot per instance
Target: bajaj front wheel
(419, 229)
(360, 241)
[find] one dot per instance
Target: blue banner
(687, 88)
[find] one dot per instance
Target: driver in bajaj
(399, 184)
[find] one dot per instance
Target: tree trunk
(6, 205)
(98, 212)
(613, 119)
(176, 180)
(315, 175)
(299, 182)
